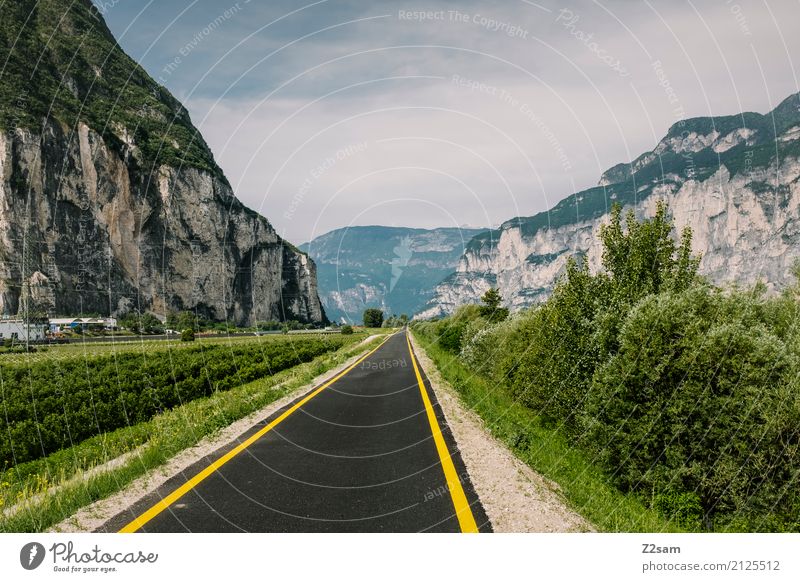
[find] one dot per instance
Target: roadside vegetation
(36, 494)
(685, 397)
(373, 317)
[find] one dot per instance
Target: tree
(347, 330)
(187, 335)
(373, 317)
(130, 322)
(145, 323)
(150, 324)
(186, 320)
(491, 309)
(578, 327)
(643, 259)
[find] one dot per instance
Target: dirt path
(516, 498)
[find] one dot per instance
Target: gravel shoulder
(515, 497)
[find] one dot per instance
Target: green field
(58, 398)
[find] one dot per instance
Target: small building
(58, 324)
(16, 330)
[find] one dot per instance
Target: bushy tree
(347, 330)
(643, 258)
(565, 339)
(187, 320)
(450, 330)
(640, 259)
(373, 317)
(150, 324)
(700, 407)
(145, 323)
(492, 309)
(187, 335)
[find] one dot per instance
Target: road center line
(463, 511)
(213, 467)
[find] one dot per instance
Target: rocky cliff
(110, 200)
(734, 180)
(392, 268)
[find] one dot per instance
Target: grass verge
(547, 451)
(49, 490)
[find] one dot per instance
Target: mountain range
(392, 268)
(735, 180)
(111, 201)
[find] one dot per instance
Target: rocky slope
(110, 200)
(392, 268)
(734, 180)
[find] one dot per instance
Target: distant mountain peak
(389, 267)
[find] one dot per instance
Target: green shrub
(187, 335)
(563, 341)
(702, 399)
(450, 336)
(684, 508)
(347, 330)
(488, 348)
(450, 330)
(492, 309)
(686, 396)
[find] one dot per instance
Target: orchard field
(57, 398)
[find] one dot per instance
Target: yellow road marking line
(202, 475)
(463, 511)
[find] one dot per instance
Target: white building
(84, 323)
(16, 330)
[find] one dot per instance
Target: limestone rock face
(110, 199)
(734, 180)
(98, 234)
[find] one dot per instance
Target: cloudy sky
(432, 113)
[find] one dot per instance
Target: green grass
(62, 475)
(583, 485)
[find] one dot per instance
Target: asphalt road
(368, 452)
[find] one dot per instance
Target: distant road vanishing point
(367, 451)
